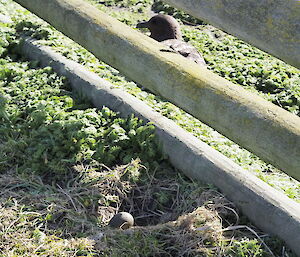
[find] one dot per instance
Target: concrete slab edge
(266, 207)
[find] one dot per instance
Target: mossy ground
(66, 167)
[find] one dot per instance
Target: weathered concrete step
(269, 209)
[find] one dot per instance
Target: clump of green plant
(45, 131)
(126, 3)
(28, 28)
(161, 7)
(136, 6)
(246, 248)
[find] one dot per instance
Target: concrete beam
(272, 26)
(269, 209)
(258, 125)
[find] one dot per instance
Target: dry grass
(174, 216)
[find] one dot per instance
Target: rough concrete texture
(259, 126)
(272, 26)
(269, 209)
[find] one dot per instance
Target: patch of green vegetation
(245, 248)
(129, 12)
(45, 131)
(30, 29)
(137, 242)
(133, 5)
(161, 7)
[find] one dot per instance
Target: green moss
(246, 248)
(52, 133)
(161, 7)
